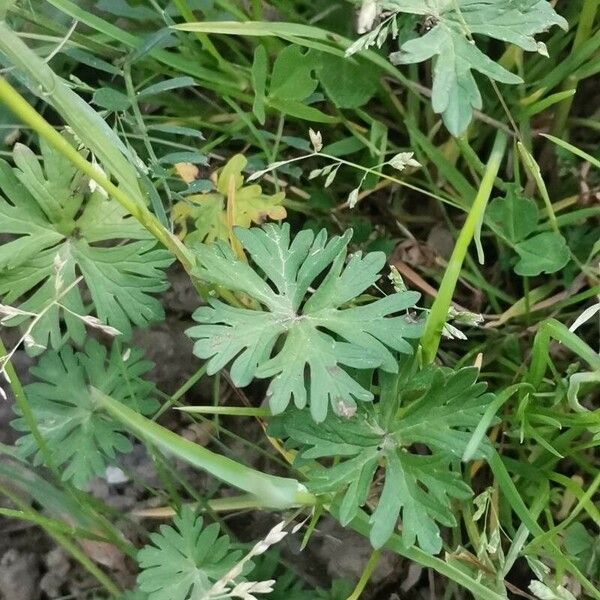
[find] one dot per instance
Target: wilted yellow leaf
(187, 171)
(203, 217)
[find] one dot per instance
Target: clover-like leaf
(348, 82)
(183, 562)
(292, 78)
(79, 435)
(515, 215)
(233, 204)
(59, 230)
(451, 24)
(321, 332)
(546, 252)
(436, 409)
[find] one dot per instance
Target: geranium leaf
(80, 436)
(60, 227)
(184, 561)
(439, 410)
(449, 42)
(320, 334)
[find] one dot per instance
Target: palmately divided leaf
(59, 231)
(80, 436)
(437, 409)
(455, 93)
(184, 561)
(301, 338)
(233, 204)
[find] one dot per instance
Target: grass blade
(573, 149)
(439, 311)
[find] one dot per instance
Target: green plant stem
(526, 291)
(24, 111)
(400, 182)
(72, 548)
(23, 406)
(439, 311)
(361, 525)
(199, 374)
(57, 526)
(216, 505)
(186, 12)
(366, 575)
(534, 170)
(584, 30)
(216, 401)
(366, 171)
(377, 173)
(271, 491)
(157, 204)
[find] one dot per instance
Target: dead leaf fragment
(187, 171)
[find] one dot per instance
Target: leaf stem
(366, 575)
(400, 182)
(236, 411)
(439, 311)
(199, 374)
(217, 505)
(361, 525)
(534, 170)
(365, 170)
